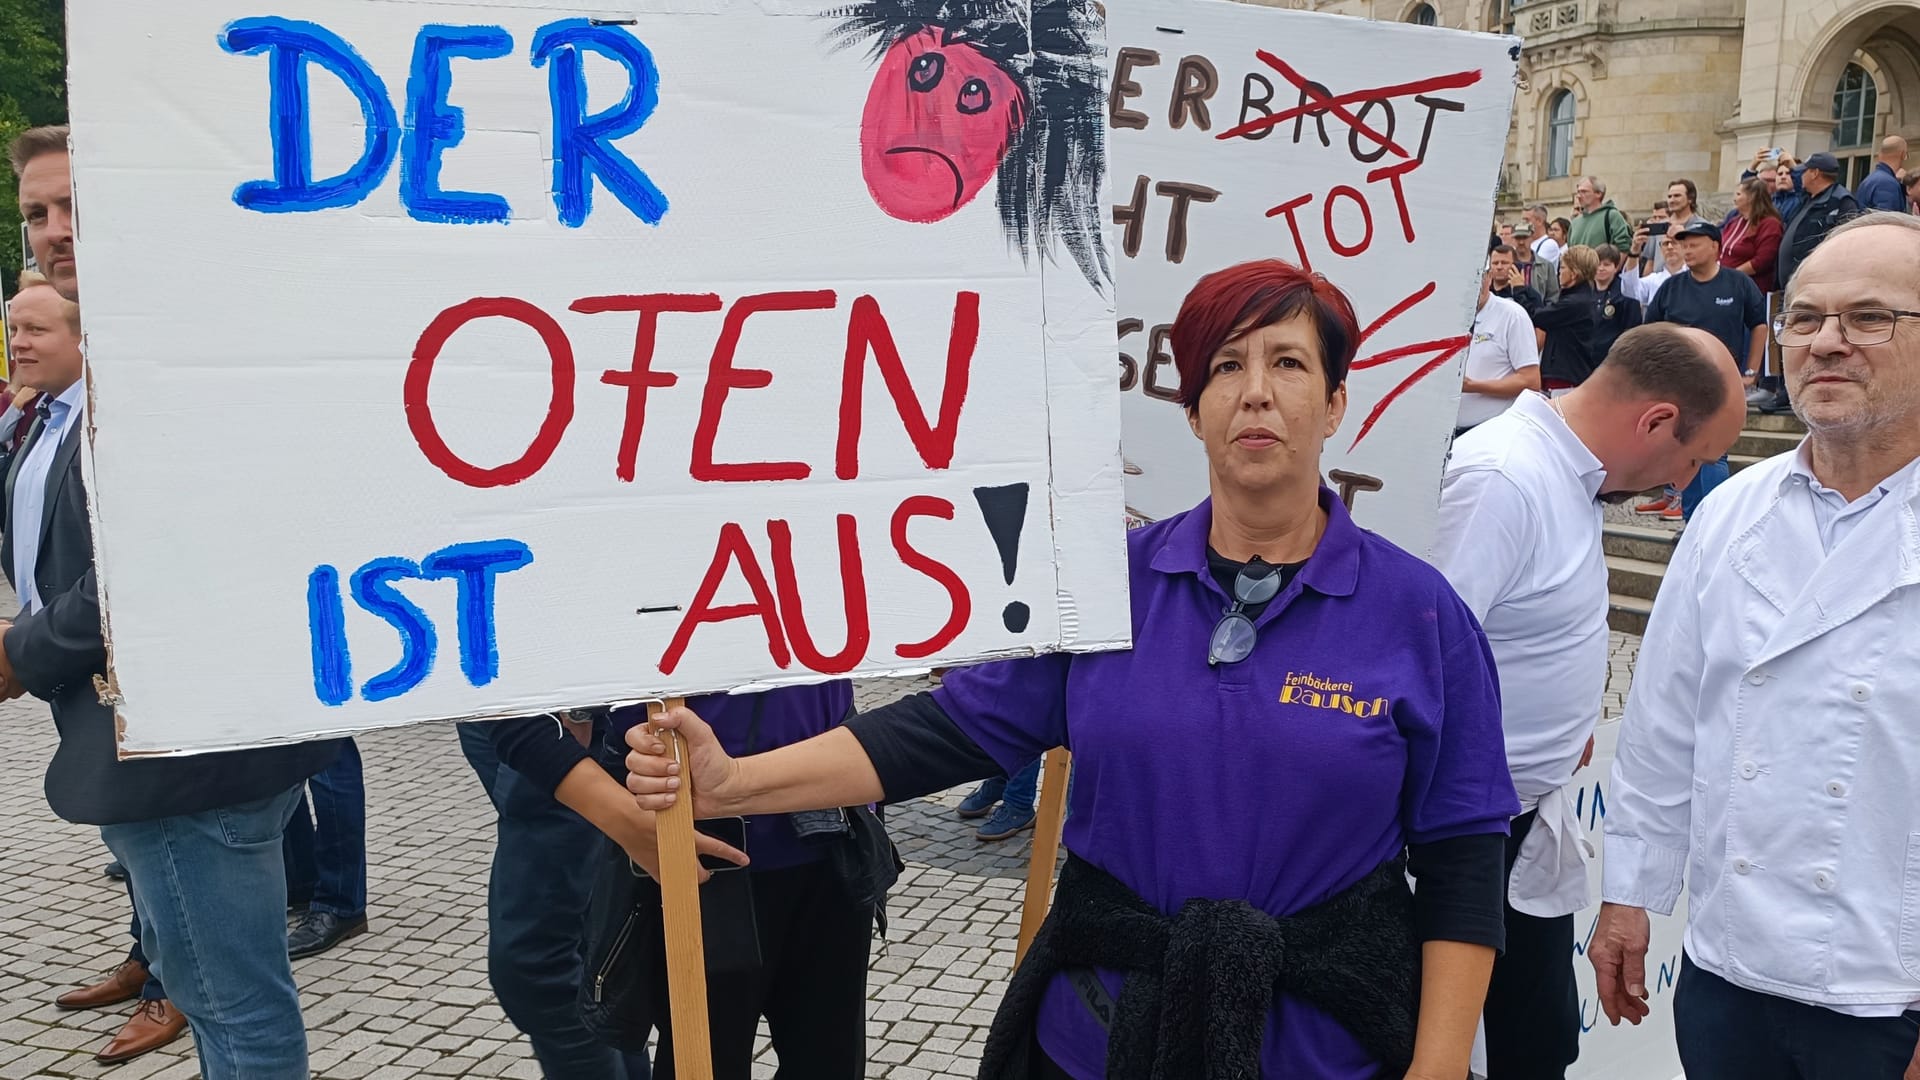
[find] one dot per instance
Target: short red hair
(1229, 303)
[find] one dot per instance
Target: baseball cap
(1523, 229)
(1825, 162)
(1700, 228)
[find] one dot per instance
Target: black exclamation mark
(1005, 510)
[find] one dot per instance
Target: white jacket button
(1824, 880)
(1742, 866)
(1757, 677)
(1749, 770)
(1860, 692)
(1836, 789)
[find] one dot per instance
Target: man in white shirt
(1768, 754)
(1519, 539)
(1545, 248)
(1502, 362)
(1643, 287)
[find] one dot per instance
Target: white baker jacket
(1770, 749)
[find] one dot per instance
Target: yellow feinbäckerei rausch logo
(1313, 691)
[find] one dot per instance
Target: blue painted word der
(426, 125)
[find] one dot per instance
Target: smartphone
(728, 830)
(1657, 228)
(732, 931)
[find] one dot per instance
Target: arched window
(1560, 134)
(1854, 101)
(1422, 15)
(1499, 16)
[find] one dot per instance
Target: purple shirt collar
(1332, 570)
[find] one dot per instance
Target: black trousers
(811, 985)
(1728, 1032)
(543, 862)
(1533, 1004)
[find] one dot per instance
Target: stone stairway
(1638, 551)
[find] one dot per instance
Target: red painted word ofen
(868, 335)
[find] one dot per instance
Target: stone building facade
(1639, 92)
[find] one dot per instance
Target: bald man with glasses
(1766, 757)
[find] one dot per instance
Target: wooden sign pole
(1052, 811)
(680, 914)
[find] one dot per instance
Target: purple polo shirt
(1367, 718)
(787, 715)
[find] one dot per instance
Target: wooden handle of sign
(680, 913)
(1048, 817)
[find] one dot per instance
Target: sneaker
(1657, 506)
(983, 799)
(1005, 822)
(1758, 396)
(1674, 513)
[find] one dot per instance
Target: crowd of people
(1674, 265)
(1322, 823)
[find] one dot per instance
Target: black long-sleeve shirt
(1567, 355)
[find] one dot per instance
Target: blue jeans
(1710, 476)
(543, 861)
(151, 990)
(1022, 786)
(212, 891)
(326, 851)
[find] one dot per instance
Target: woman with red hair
(1307, 714)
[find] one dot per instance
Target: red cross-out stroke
(1320, 102)
(1444, 349)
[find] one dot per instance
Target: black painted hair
(1048, 185)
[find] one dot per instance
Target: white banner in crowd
(1365, 151)
(459, 360)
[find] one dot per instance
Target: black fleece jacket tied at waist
(1199, 985)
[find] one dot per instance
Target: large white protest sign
(1364, 151)
(478, 359)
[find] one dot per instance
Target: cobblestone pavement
(411, 997)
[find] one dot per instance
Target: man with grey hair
(1766, 758)
(1545, 248)
(1599, 221)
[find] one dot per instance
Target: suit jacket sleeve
(60, 644)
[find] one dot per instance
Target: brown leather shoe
(123, 985)
(153, 1025)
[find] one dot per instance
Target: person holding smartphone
(784, 940)
(1646, 241)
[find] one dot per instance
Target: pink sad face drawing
(937, 123)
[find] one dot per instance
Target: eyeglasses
(1234, 635)
(1860, 326)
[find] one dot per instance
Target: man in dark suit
(43, 330)
(199, 835)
